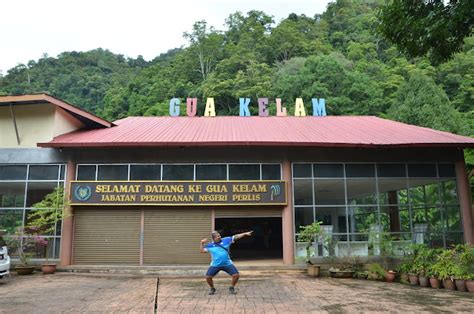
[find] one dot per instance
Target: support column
(287, 218)
(67, 232)
(464, 193)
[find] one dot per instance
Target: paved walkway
(77, 293)
(257, 293)
(301, 294)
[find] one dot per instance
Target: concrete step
(181, 270)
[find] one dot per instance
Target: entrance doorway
(266, 242)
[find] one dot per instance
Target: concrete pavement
(257, 293)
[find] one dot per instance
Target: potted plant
(21, 243)
(386, 252)
(311, 234)
(376, 272)
(403, 269)
(347, 268)
(444, 268)
(424, 258)
(43, 219)
(462, 268)
(470, 283)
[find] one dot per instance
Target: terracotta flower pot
(313, 270)
(470, 285)
(449, 284)
(390, 276)
(404, 278)
(48, 269)
(424, 281)
(414, 281)
(461, 285)
(24, 270)
(435, 282)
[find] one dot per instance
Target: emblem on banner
(275, 191)
(82, 192)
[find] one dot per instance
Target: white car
(4, 262)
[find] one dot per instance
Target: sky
(31, 28)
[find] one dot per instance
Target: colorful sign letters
(319, 107)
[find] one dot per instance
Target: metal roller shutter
(106, 236)
(172, 235)
(247, 212)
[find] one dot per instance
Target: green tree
(427, 27)
(421, 102)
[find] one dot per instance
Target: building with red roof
(145, 190)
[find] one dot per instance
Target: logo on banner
(275, 191)
(83, 192)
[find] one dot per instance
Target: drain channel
(156, 294)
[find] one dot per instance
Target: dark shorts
(230, 269)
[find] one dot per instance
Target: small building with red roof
(145, 190)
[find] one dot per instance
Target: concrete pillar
(464, 194)
(68, 227)
(287, 218)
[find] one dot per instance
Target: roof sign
(319, 107)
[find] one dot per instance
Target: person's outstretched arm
(201, 246)
(241, 235)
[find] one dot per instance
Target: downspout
(14, 124)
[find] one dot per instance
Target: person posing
(220, 258)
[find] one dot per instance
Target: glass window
(303, 191)
(328, 170)
(391, 170)
(329, 191)
(12, 172)
(112, 172)
(446, 171)
(43, 172)
(145, 172)
(244, 172)
(361, 191)
(86, 173)
(363, 219)
(303, 217)
(10, 219)
(393, 191)
(453, 218)
(271, 172)
(422, 170)
(360, 170)
(37, 191)
(449, 190)
(62, 170)
(302, 171)
(424, 191)
(211, 172)
(334, 216)
(395, 218)
(178, 172)
(12, 194)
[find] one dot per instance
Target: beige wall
(36, 123)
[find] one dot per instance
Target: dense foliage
(433, 27)
(337, 55)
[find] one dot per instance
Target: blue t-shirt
(219, 256)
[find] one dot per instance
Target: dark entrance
(266, 242)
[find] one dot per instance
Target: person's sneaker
(212, 291)
(232, 290)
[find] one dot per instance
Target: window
(211, 172)
(86, 173)
(112, 172)
(244, 172)
(145, 172)
(178, 172)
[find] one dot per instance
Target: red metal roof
(329, 131)
(86, 117)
